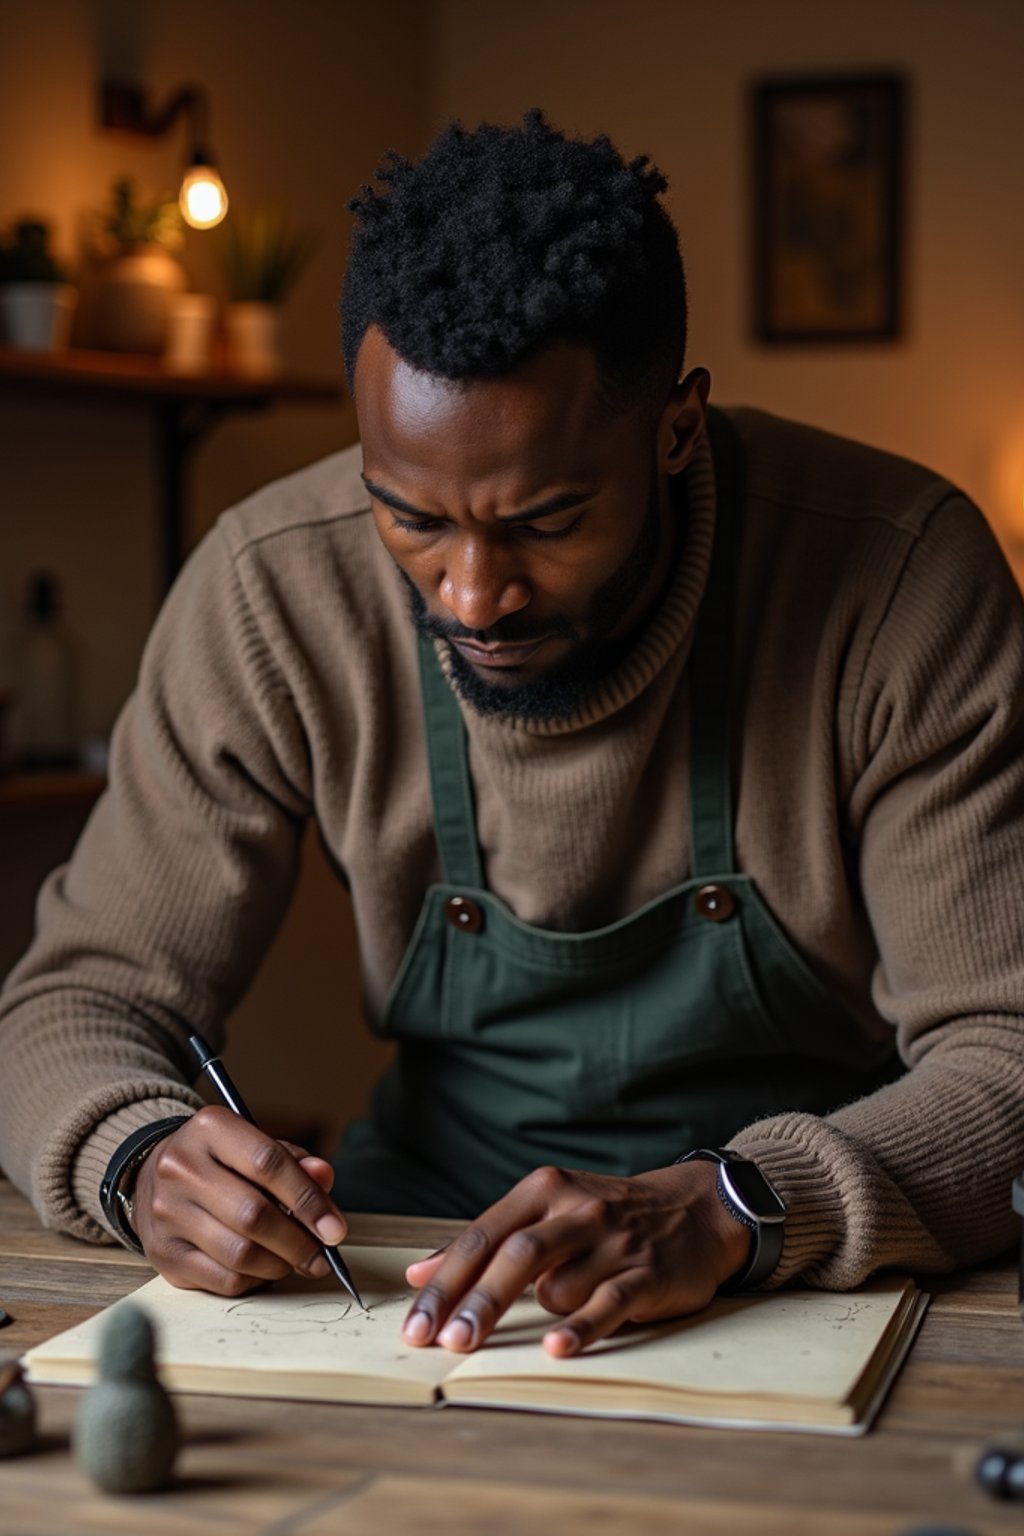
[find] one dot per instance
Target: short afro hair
(504, 240)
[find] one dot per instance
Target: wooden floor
(306, 1469)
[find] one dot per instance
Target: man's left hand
(599, 1251)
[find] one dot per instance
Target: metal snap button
(715, 902)
(464, 914)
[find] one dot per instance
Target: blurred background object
(305, 98)
(261, 259)
(36, 299)
(45, 673)
(135, 272)
(203, 198)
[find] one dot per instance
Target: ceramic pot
(37, 315)
(133, 299)
(190, 334)
(254, 337)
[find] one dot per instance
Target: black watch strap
(751, 1199)
(115, 1190)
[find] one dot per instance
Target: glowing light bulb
(202, 200)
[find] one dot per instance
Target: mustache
(505, 632)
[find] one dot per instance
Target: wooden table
(314, 1469)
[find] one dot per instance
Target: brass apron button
(464, 914)
(715, 902)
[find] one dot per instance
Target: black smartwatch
(749, 1197)
(119, 1179)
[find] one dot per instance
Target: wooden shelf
(122, 373)
(185, 405)
(64, 789)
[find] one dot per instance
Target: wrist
(118, 1186)
(749, 1200)
(732, 1238)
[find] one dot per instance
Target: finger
(612, 1304)
(319, 1170)
(252, 1222)
(189, 1269)
(464, 1317)
(234, 1251)
(268, 1165)
(468, 1255)
(317, 1167)
(420, 1270)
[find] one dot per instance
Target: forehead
(545, 418)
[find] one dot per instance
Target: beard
(556, 695)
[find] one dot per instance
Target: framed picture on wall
(828, 214)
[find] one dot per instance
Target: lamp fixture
(202, 199)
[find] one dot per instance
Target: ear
(682, 421)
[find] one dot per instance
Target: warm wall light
(202, 198)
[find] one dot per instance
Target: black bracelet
(113, 1195)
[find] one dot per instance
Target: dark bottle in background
(45, 677)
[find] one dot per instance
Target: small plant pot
(254, 337)
(37, 316)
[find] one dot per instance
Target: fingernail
(566, 1340)
(318, 1267)
(416, 1326)
(459, 1333)
(330, 1229)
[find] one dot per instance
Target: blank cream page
(296, 1327)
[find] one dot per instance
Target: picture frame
(828, 207)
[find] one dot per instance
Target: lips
(499, 656)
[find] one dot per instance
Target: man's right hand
(212, 1202)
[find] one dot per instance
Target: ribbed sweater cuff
(95, 1153)
(816, 1219)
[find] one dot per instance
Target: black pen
(217, 1073)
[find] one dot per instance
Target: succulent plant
(261, 257)
(26, 258)
(125, 1432)
(132, 220)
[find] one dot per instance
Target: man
(673, 759)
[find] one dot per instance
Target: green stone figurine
(17, 1411)
(125, 1432)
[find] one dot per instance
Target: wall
(670, 78)
(305, 98)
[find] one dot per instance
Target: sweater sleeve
(918, 1175)
(158, 922)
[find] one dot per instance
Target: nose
(481, 582)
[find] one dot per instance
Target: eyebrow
(561, 503)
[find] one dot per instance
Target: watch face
(751, 1190)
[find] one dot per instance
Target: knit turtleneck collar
(669, 630)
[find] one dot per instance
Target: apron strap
(448, 754)
(712, 850)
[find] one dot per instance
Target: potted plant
(134, 242)
(261, 259)
(36, 299)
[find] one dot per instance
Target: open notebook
(812, 1360)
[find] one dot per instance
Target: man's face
(534, 527)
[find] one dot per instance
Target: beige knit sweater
(879, 680)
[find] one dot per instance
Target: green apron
(615, 1049)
